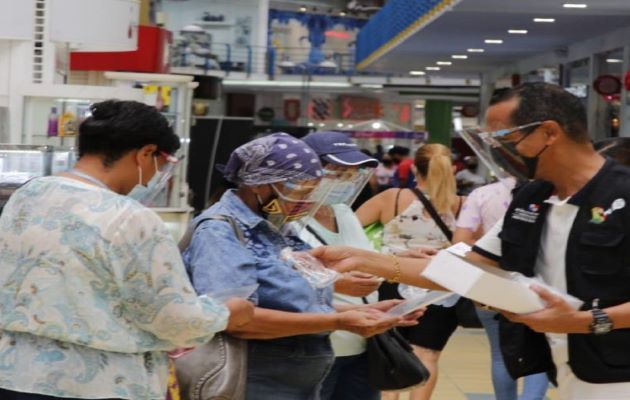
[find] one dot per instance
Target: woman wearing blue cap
(289, 351)
(346, 171)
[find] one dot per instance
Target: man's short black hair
(118, 127)
(540, 101)
(399, 151)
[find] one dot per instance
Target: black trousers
(9, 395)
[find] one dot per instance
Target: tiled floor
(465, 369)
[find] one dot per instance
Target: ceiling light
(321, 124)
(574, 5)
(517, 31)
(310, 124)
(376, 125)
(544, 20)
(614, 61)
(417, 73)
(476, 50)
(444, 63)
(432, 68)
(340, 125)
(342, 14)
(459, 57)
(493, 41)
(371, 86)
(350, 126)
(302, 9)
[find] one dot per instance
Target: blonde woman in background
(407, 226)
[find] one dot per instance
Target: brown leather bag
(216, 370)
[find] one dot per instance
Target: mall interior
(389, 96)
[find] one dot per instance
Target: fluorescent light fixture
(614, 61)
(321, 124)
(340, 125)
(342, 14)
(432, 68)
(544, 20)
(371, 86)
(417, 73)
(517, 31)
(302, 9)
(350, 126)
(493, 41)
(234, 82)
(459, 57)
(574, 5)
(376, 125)
(444, 63)
(475, 50)
(310, 124)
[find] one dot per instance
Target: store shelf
(81, 92)
(214, 24)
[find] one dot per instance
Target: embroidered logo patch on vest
(599, 215)
(530, 215)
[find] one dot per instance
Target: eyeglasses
(504, 132)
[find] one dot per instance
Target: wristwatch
(601, 321)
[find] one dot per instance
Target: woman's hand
(410, 319)
(241, 312)
(365, 322)
(357, 284)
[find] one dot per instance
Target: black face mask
(530, 164)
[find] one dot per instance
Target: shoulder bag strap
(319, 237)
(187, 238)
(434, 214)
(396, 203)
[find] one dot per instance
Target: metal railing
(271, 61)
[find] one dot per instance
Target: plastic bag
(316, 273)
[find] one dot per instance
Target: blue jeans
(290, 368)
(9, 395)
(348, 380)
(505, 388)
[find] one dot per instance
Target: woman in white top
(93, 290)
(408, 225)
(347, 170)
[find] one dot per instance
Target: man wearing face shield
(93, 290)
(346, 171)
(289, 351)
(568, 225)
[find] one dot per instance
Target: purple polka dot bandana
(275, 158)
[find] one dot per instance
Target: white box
(487, 285)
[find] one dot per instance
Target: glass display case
(21, 163)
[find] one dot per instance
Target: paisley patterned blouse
(93, 292)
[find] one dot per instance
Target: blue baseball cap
(337, 148)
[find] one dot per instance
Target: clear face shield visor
(294, 201)
(342, 185)
(497, 150)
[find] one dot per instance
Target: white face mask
(146, 194)
(341, 192)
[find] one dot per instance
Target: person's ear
(553, 131)
(145, 154)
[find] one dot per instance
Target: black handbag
(392, 365)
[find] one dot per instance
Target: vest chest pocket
(601, 252)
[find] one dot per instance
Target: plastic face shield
(342, 185)
(293, 203)
(497, 149)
